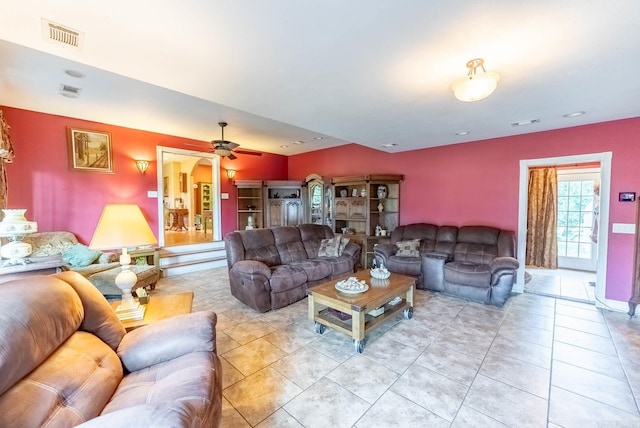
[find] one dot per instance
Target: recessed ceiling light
(389, 145)
(298, 142)
(75, 73)
(318, 138)
(574, 114)
(463, 133)
(284, 146)
(525, 122)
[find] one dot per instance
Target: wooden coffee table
(351, 313)
(161, 306)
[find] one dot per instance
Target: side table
(161, 306)
(33, 266)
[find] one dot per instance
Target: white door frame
(604, 159)
(215, 180)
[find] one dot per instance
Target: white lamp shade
(477, 87)
(122, 226)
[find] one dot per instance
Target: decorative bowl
(379, 273)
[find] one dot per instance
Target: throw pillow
(408, 248)
(343, 244)
(80, 255)
(329, 247)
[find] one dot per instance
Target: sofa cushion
(80, 255)
(286, 277)
(408, 248)
(339, 265)
(476, 275)
(474, 253)
(20, 352)
(72, 385)
(315, 268)
(404, 265)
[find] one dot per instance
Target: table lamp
(123, 226)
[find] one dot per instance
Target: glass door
(578, 201)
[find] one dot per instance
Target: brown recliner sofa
(272, 268)
(66, 360)
(474, 262)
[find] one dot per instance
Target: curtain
(542, 242)
(6, 156)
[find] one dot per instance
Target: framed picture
(90, 151)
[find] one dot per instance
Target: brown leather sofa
(272, 268)
(65, 360)
(474, 262)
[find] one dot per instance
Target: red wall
(477, 183)
(59, 199)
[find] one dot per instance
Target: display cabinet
(283, 203)
(249, 204)
(368, 206)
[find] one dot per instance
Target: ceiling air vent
(62, 35)
(70, 91)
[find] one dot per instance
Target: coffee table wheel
(359, 345)
(320, 328)
(408, 313)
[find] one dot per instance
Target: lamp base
(134, 313)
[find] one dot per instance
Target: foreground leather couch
(272, 268)
(65, 360)
(474, 262)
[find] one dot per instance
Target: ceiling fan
(227, 149)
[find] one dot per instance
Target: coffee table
(356, 314)
(161, 306)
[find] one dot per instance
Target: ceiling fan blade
(231, 157)
(245, 152)
(228, 144)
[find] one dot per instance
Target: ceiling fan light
(478, 84)
(222, 151)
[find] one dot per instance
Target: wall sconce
(142, 165)
(231, 173)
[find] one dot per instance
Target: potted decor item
(382, 191)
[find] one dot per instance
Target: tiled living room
(536, 362)
(145, 103)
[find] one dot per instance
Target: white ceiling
(363, 71)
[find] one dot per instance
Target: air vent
(62, 35)
(525, 122)
(70, 91)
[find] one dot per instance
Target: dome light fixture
(478, 84)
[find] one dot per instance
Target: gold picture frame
(90, 151)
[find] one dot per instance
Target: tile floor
(564, 283)
(537, 362)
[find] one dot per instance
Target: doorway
(186, 215)
(604, 160)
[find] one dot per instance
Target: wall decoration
(90, 151)
(627, 196)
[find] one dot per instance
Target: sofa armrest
(142, 416)
(167, 339)
(251, 267)
(87, 271)
(503, 263)
(385, 250)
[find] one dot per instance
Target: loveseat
(65, 360)
(101, 270)
(272, 268)
(474, 262)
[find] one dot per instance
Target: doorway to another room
(572, 264)
(189, 206)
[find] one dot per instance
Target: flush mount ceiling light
(478, 84)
